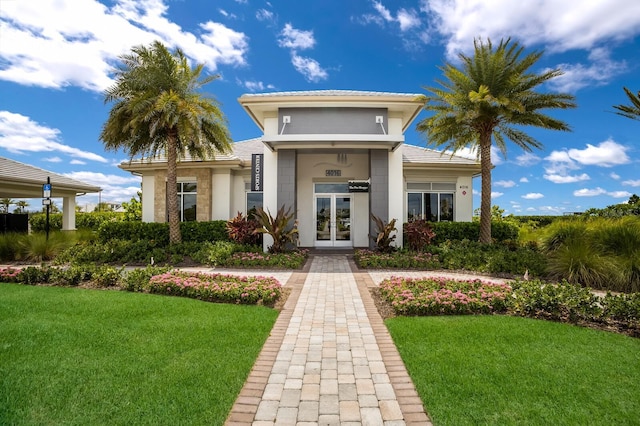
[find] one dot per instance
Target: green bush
(158, 233)
(107, 276)
(398, 259)
(92, 221)
(34, 275)
(9, 244)
(138, 279)
(456, 231)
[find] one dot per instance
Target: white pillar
(221, 199)
(69, 213)
(148, 198)
(270, 188)
(396, 192)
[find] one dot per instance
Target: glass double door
(333, 220)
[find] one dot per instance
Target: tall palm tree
(4, 204)
(490, 98)
(21, 206)
(630, 111)
(158, 109)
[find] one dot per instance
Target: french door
(333, 220)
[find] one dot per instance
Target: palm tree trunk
(485, 197)
(172, 192)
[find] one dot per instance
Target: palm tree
(5, 203)
(21, 206)
(630, 111)
(159, 110)
(491, 96)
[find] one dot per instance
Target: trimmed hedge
(159, 232)
(457, 231)
(92, 221)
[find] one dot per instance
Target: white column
(270, 188)
(396, 192)
(69, 213)
(464, 199)
(221, 195)
(148, 198)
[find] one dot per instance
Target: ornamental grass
(217, 287)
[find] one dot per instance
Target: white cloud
(619, 194)
(505, 183)
(560, 26)
(78, 162)
(383, 11)
(527, 159)
(496, 194)
(472, 154)
(264, 15)
(614, 175)
(408, 19)
(309, 68)
(295, 39)
(524, 180)
(254, 86)
(606, 154)
(566, 178)
(42, 41)
(99, 179)
(551, 209)
(19, 134)
(585, 192)
(600, 71)
(52, 159)
(634, 183)
(533, 196)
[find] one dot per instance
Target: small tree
(383, 237)
(4, 204)
(21, 206)
(278, 227)
(133, 209)
(242, 230)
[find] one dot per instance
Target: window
(187, 197)
(430, 201)
(254, 202)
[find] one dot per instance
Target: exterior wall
(464, 199)
(287, 180)
(204, 199)
(379, 189)
(221, 201)
(238, 192)
(312, 169)
(69, 213)
(463, 211)
(332, 121)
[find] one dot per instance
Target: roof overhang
(341, 141)
(260, 106)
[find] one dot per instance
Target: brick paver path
(329, 360)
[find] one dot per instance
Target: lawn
(472, 370)
(73, 356)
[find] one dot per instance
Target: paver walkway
(329, 359)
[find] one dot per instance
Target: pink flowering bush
(217, 287)
(442, 296)
(9, 275)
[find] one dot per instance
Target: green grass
(79, 357)
(499, 370)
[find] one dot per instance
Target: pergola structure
(19, 180)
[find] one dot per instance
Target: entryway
(333, 219)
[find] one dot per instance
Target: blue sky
(56, 59)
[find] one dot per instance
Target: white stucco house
(335, 157)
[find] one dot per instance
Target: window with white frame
(431, 201)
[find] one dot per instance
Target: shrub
(9, 244)
(9, 275)
(34, 275)
(622, 308)
(382, 237)
(36, 247)
(242, 230)
(217, 287)
(91, 221)
(158, 233)
(457, 231)
(138, 279)
(289, 260)
(107, 276)
(559, 302)
(442, 296)
(72, 276)
(280, 228)
(398, 259)
(418, 234)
